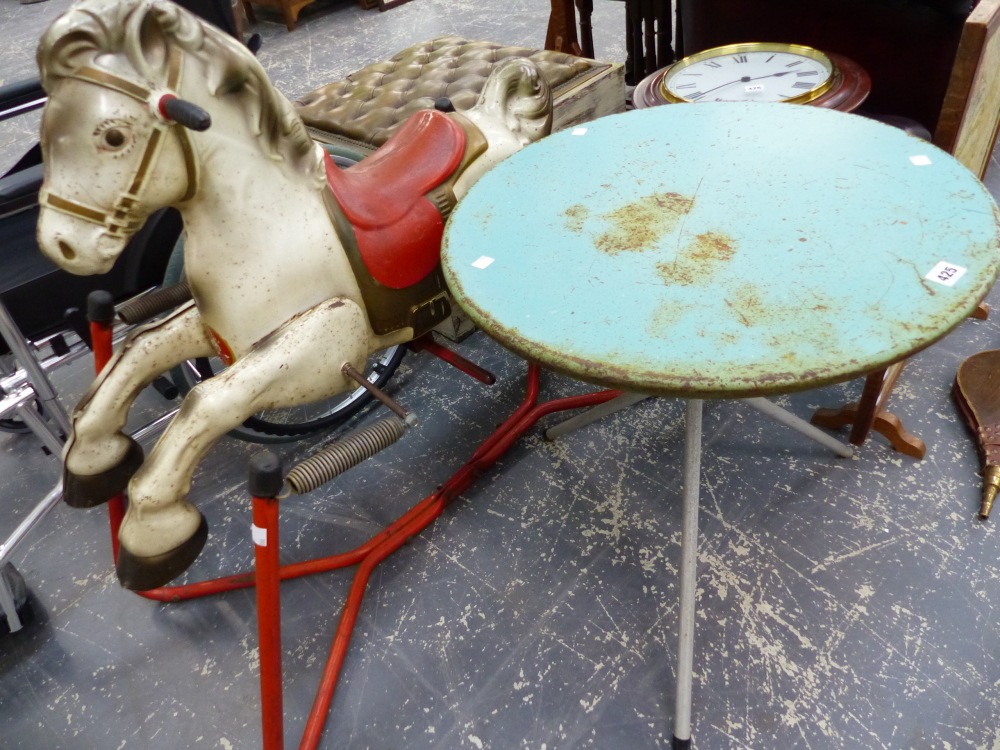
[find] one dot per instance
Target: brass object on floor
(977, 394)
(991, 482)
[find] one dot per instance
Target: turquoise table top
(723, 249)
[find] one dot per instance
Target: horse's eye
(114, 138)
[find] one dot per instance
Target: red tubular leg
(348, 617)
(100, 337)
(265, 521)
(530, 399)
(295, 570)
(427, 344)
(310, 567)
(268, 574)
(495, 446)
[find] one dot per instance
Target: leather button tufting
(450, 66)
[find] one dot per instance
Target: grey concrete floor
(842, 603)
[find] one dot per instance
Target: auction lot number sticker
(946, 273)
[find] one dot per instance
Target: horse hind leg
(162, 534)
(99, 458)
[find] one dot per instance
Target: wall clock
(758, 72)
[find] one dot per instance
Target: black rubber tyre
(287, 425)
(15, 426)
(15, 582)
(18, 426)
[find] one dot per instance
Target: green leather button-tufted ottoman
(364, 109)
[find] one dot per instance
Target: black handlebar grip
(185, 113)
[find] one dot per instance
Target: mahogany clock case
(850, 88)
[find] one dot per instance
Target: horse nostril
(68, 252)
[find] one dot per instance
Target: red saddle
(398, 230)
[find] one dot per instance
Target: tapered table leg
(689, 564)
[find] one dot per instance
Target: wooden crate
(970, 116)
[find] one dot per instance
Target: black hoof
(90, 490)
(143, 573)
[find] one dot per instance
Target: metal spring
(340, 456)
(157, 301)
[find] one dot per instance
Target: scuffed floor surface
(842, 603)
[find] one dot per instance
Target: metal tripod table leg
(689, 565)
(594, 413)
(772, 410)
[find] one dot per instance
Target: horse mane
(143, 31)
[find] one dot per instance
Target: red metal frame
(427, 344)
(268, 574)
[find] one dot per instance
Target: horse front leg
(99, 458)
(161, 533)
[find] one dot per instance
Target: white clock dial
(748, 76)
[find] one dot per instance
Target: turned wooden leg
(868, 407)
(561, 33)
(869, 414)
(248, 8)
(982, 312)
(288, 15)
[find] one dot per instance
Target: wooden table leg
(561, 33)
(869, 414)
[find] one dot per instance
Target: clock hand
(722, 86)
(746, 79)
(772, 75)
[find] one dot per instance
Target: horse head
(129, 82)
(513, 110)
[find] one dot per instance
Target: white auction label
(482, 262)
(259, 535)
(757, 87)
(946, 273)
(921, 160)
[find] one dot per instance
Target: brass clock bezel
(732, 49)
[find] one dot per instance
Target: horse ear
(518, 93)
(70, 53)
(153, 43)
(146, 42)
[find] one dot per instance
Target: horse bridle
(118, 222)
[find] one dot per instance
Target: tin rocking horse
(296, 268)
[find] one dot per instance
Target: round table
(721, 250)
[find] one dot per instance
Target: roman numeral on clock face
(686, 86)
(739, 58)
(696, 95)
(802, 85)
(807, 73)
(713, 64)
(793, 64)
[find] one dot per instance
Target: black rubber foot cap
(144, 573)
(91, 490)
(680, 744)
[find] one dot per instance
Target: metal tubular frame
(427, 344)
(22, 402)
(689, 574)
(268, 574)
